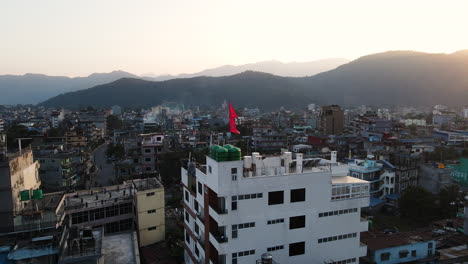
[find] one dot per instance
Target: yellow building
(150, 211)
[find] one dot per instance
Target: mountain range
(291, 69)
(34, 88)
(389, 78)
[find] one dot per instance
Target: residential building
(56, 118)
(295, 209)
(332, 120)
(57, 171)
(402, 247)
(151, 148)
(18, 179)
(435, 177)
(380, 174)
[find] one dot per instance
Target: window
(275, 248)
(197, 252)
(413, 253)
(298, 195)
(200, 188)
(234, 205)
(234, 231)
(187, 217)
(187, 237)
(152, 211)
(297, 222)
(234, 174)
(403, 253)
(187, 198)
(296, 249)
(275, 197)
(209, 169)
(196, 205)
(197, 229)
(150, 194)
(148, 159)
(147, 150)
(151, 228)
(385, 256)
(429, 245)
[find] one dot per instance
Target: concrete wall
(148, 220)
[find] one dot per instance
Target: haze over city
(77, 38)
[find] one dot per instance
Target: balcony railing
(221, 238)
(362, 244)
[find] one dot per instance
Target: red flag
(232, 122)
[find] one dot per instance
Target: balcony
(220, 211)
(201, 216)
(220, 237)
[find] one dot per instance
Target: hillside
(390, 78)
(34, 88)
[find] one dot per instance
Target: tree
(450, 199)
(113, 123)
(418, 205)
(15, 132)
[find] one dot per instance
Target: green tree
(450, 199)
(18, 131)
(418, 205)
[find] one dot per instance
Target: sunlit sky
(76, 38)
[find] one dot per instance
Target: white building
(294, 209)
(465, 112)
(417, 122)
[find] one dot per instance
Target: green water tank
(234, 154)
(37, 194)
(24, 195)
(222, 154)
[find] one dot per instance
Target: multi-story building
(406, 169)
(295, 209)
(18, 179)
(57, 171)
(435, 177)
(379, 174)
(151, 147)
(268, 140)
(55, 118)
(76, 138)
(332, 120)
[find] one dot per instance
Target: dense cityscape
(233, 132)
(80, 185)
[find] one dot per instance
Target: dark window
(429, 245)
(233, 170)
(197, 229)
(187, 237)
(147, 159)
(152, 211)
(234, 205)
(296, 249)
(403, 253)
(150, 194)
(384, 256)
(187, 217)
(275, 197)
(151, 228)
(298, 195)
(200, 188)
(297, 222)
(187, 196)
(413, 253)
(234, 231)
(197, 252)
(147, 150)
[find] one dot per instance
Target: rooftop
(376, 241)
(145, 184)
(346, 179)
(119, 249)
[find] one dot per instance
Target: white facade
(293, 209)
(417, 122)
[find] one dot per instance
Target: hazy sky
(76, 38)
